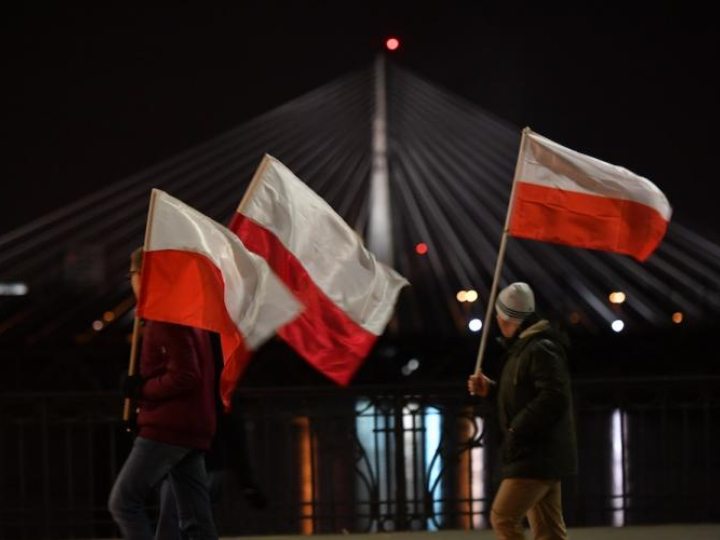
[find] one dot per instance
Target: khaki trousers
(540, 500)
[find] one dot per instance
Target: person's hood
(532, 326)
(544, 327)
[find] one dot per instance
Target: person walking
(175, 425)
(535, 413)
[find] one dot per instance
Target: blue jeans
(147, 465)
(168, 527)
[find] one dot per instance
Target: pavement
(650, 532)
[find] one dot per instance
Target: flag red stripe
(588, 221)
(183, 287)
(322, 329)
(236, 357)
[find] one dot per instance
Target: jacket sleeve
(552, 398)
(182, 373)
(492, 392)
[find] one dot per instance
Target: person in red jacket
(175, 425)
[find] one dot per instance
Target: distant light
(13, 289)
(405, 370)
(421, 248)
(617, 297)
(475, 325)
(392, 44)
(618, 325)
(97, 325)
(677, 317)
(467, 296)
(574, 317)
(413, 364)
(108, 316)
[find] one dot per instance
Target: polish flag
(569, 198)
(347, 294)
(198, 273)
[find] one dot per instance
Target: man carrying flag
(176, 423)
(565, 197)
(535, 413)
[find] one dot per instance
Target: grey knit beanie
(515, 302)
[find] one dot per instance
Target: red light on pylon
(421, 248)
(392, 44)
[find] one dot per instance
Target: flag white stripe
(546, 163)
(256, 300)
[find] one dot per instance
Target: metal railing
(370, 459)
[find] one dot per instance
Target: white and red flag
(566, 197)
(198, 273)
(347, 294)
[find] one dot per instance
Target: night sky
(92, 95)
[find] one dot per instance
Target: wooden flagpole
(499, 263)
(259, 173)
(132, 364)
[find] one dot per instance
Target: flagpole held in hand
(132, 363)
(498, 265)
(132, 366)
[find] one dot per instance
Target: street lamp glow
(617, 297)
(677, 317)
(471, 296)
(617, 325)
(461, 296)
(475, 325)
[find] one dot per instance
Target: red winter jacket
(177, 400)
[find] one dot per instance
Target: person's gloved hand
(479, 385)
(132, 386)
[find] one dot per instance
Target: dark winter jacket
(535, 406)
(177, 400)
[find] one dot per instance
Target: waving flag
(348, 296)
(566, 197)
(198, 273)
